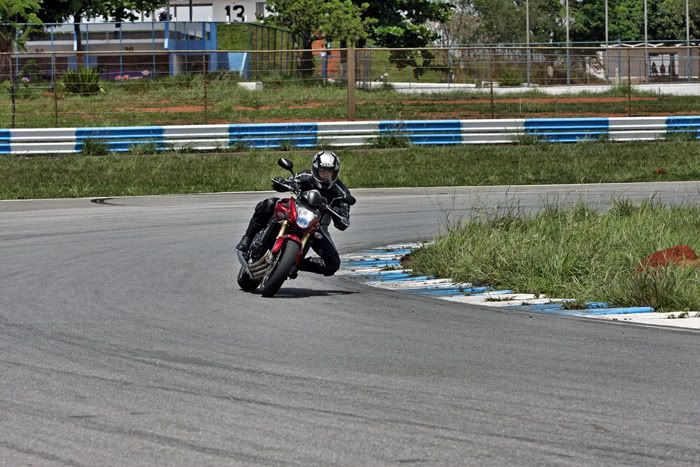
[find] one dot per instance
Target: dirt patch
(680, 255)
(529, 100)
(172, 109)
(308, 105)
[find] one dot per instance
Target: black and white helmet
(325, 167)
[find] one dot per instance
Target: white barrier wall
(309, 135)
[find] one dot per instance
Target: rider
(323, 176)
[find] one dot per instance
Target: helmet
(325, 167)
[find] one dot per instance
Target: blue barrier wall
(425, 131)
(5, 139)
(567, 130)
(274, 135)
(684, 125)
(356, 133)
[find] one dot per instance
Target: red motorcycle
(277, 251)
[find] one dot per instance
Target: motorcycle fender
(280, 241)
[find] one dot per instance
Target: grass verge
(192, 99)
(136, 173)
(574, 252)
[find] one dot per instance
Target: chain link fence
(156, 87)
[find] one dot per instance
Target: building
(156, 44)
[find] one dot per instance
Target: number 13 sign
(235, 13)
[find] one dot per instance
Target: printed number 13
(238, 12)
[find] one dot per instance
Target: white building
(220, 11)
(156, 41)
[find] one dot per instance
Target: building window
(260, 9)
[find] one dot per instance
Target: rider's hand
(279, 184)
(343, 209)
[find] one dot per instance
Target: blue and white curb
(381, 268)
(346, 134)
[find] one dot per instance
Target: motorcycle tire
(279, 270)
(245, 282)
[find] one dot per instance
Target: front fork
(282, 235)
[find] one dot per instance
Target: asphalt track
(124, 341)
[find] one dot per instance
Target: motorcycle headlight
(304, 216)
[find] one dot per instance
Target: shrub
(83, 81)
(510, 78)
(94, 147)
(31, 70)
(391, 140)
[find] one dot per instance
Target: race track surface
(125, 341)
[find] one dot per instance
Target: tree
(57, 11)
(311, 20)
(666, 20)
(17, 19)
(462, 27)
(405, 24)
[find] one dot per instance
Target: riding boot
(315, 265)
(253, 228)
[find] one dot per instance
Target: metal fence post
(153, 49)
(352, 105)
(204, 84)
(55, 88)
(493, 103)
(629, 84)
(13, 94)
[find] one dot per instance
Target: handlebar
(293, 186)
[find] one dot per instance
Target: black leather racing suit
(328, 261)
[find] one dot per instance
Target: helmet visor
(326, 175)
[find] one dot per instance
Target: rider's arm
(343, 191)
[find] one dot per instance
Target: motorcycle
(276, 252)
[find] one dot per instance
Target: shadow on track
(290, 292)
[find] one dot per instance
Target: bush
(31, 70)
(94, 147)
(83, 81)
(510, 78)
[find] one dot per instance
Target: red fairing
(286, 209)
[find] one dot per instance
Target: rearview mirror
(285, 164)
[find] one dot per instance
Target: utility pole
(689, 67)
(527, 37)
(606, 22)
(646, 41)
(568, 52)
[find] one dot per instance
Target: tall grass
(414, 166)
(574, 252)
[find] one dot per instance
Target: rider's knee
(266, 207)
(332, 265)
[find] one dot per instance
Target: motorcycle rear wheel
(279, 270)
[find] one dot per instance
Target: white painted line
(432, 284)
(490, 297)
(658, 319)
(364, 272)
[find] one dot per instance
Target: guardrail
(309, 135)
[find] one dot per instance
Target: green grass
(181, 100)
(574, 252)
(174, 172)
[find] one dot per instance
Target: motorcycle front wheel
(279, 269)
